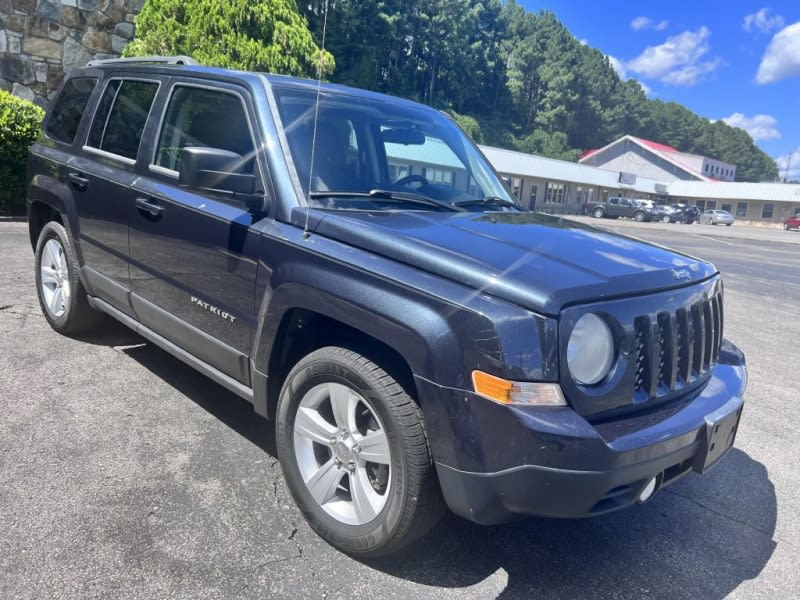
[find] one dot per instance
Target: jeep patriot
(351, 264)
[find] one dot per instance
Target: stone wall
(40, 40)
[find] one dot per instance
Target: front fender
(420, 328)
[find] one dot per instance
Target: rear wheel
(597, 213)
(61, 294)
(665, 219)
(638, 216)
(354, 452)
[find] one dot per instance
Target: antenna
(320, 65)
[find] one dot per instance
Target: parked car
(792, 222)
(418, 344)
(689, 213)
(665, 213)
(716, 217)
(616, 207)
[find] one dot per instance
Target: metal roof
(736, 190)
(667, 153)
(433, 152)
(510, 162)
(530, 165)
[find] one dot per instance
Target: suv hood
(541, 262)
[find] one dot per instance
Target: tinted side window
(121, 116)
(68, 109)
(201, 117)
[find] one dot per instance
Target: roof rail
(169, 60)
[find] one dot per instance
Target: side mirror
(214, 169)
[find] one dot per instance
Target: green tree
(253, 35)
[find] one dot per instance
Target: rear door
(101, 175)
(194, 252)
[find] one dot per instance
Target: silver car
(716, 217)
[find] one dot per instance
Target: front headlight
(590, 350)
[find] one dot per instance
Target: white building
(645, 158)
(558, 186)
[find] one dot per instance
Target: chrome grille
(673, 349)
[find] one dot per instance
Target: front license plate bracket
(718, 438)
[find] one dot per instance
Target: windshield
(368, 145)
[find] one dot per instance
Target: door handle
(149, 205)
(79, 182)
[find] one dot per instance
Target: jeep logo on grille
(681, 274)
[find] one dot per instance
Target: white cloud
(678, 60)
(782, 57)
(789, 166)
(760, 127)
(691, 74)
(762, 22)
(618, 66)
(640, 23)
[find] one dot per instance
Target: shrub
(20, 122)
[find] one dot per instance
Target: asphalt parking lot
(125, 474)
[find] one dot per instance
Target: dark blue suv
(351, 264)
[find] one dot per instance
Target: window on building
(766, 210)
(554, 193)
(121, 116)
(439, 176)
(726, 207)
(701, 205)
(69, 108)
(516, 187)
(741, 209)
(532, 197)
(711, 204)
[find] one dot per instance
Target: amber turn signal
(516, 392)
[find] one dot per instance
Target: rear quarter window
(66, 113)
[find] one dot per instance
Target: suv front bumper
(495, 462)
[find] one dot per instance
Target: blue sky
(736, 61)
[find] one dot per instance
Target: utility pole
(788, 164)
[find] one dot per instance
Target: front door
(194, 252)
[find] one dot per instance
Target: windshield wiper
(487, 201)
(388, 195)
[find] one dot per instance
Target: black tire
(638, 217)
(665, 219)
(786, 227)
(728, 224)
(74, 314)
(597, 213)
(413, 502)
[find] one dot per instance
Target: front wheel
(354, 452)
(61, 294)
